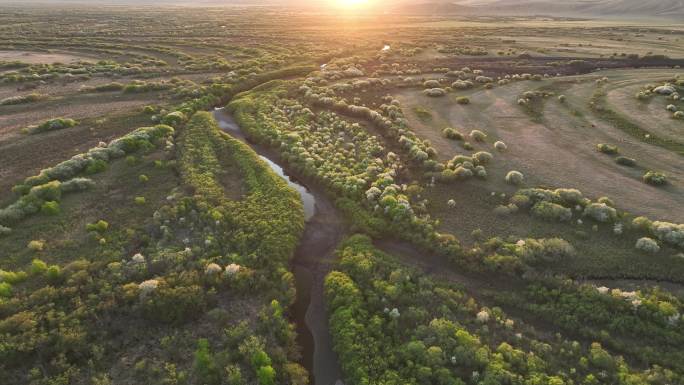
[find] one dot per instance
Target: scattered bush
(515, 178)
(95, 166)
(478, 135)
(140, 201)
(600, 212)
(5, 290)
(36, 245)
(174, 119)
(38, 267)
(533, 251)
(431, 84)
(452, 134)
(501, 146)
(648, 245)
(99, 227)
(30, 98)
(625, 161)
(52, 125)
(50, 208)
(655, 178)
(463, 100)
(549, 211)
(435, 92)
(483, 157)
(607, 148)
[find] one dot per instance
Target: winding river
(313, 260)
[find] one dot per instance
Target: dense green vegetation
(391, 324)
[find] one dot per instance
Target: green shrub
(478, 135)
(98, 227)
(4, 230)
(5, 290)
(52, 125)
(205, 366)
(50, 208)
(30, 98)
(12, 276)
(259, 359)
(149, 110)
(463, 100)
(655, 178)
(95, 166)
(53, 274)
(266, 375)
(600, 212)
(452, 134)
(107, 87)
(625, 161)
(143, 178)
(38, 267)
(140, 201)
(174, 119)
(607, 148)
(50, 191)
(483, 157)
(36, 245)
(515, 178)
(131, 160)
(549, 211)
(435, 92)
(648, 245)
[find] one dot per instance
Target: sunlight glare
(351, 4)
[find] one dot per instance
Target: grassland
(515, 187)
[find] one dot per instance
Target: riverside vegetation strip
(504, 197)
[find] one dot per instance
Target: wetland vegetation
(211, 195)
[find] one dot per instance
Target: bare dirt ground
(650, 115)
(40, 57)
(28, 154)
(560, 151)
(14, 118)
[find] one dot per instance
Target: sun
(351, 4)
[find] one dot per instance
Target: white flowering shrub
(435, 92)
(669, 233)
(138, 259)
(431, 84)
(600, 212)
(213, 269)
(648, 245)
(232, 269)
(544, 250)
(483, 315)
(462, 85)
(501, 146)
